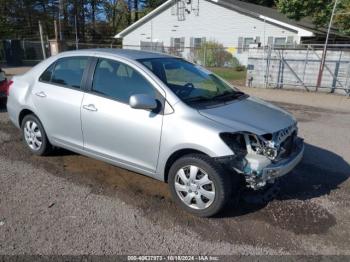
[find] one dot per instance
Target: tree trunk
(93, 18)
(129, 12)
(136, 10)
(82, 19)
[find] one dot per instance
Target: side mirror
(142, 101)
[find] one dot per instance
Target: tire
(213, 194)
(34, 136)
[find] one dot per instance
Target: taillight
(9, 84)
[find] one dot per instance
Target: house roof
(271, 15)
(263, 11)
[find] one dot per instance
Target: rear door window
(46, 76)
(67, 72)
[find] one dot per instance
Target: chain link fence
(30, 52)
(294, 67)
(299, 68)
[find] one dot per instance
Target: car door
(57, 97)
(112, 129)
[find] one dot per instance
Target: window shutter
(203, 40)
(240, 45)
(172, 42)
(270, 40)
(257, 39)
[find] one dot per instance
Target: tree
(319, 10)
(212, 54)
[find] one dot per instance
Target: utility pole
(324, 53)
(56, 30)
(60, 11)
(42, 40)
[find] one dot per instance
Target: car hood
(250, 114)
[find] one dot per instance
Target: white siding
(214, 23)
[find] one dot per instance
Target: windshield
(191, 83)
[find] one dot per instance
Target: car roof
(125, 53)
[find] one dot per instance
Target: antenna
(186, 7)
(181, 10)
(195, 8)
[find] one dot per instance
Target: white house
(185, 24)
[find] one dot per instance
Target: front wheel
(199, 185)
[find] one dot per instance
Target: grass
(229, 74)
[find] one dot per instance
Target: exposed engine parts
(257, 155)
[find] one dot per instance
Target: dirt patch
(305, 113)
(300, 217)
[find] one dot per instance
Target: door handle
(90, 107)
(40, 94)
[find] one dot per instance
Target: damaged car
(3, 87)
(159, 116)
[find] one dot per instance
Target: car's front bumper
(278, 169)
(285, 166)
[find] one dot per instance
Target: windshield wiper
(197, 99)
(226, 95)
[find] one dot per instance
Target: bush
(213, 54)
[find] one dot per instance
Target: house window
(197, 42)
(280, 42)
(178, 43)
(247, 42)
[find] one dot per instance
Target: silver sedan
(157, 115)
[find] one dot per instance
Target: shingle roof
(253, 9)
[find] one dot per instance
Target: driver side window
(119, 81)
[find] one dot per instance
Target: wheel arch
(175, 156)
(24, 112)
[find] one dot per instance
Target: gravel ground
(70, 204)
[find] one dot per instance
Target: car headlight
(236, 142)
(243, 143)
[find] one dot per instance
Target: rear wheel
(199, 185)
(34, 136)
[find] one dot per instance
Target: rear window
(66, 71)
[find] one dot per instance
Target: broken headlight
(236, 142)
(244, 143)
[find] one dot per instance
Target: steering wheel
(186, 90)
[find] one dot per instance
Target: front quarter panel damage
(260, 159)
